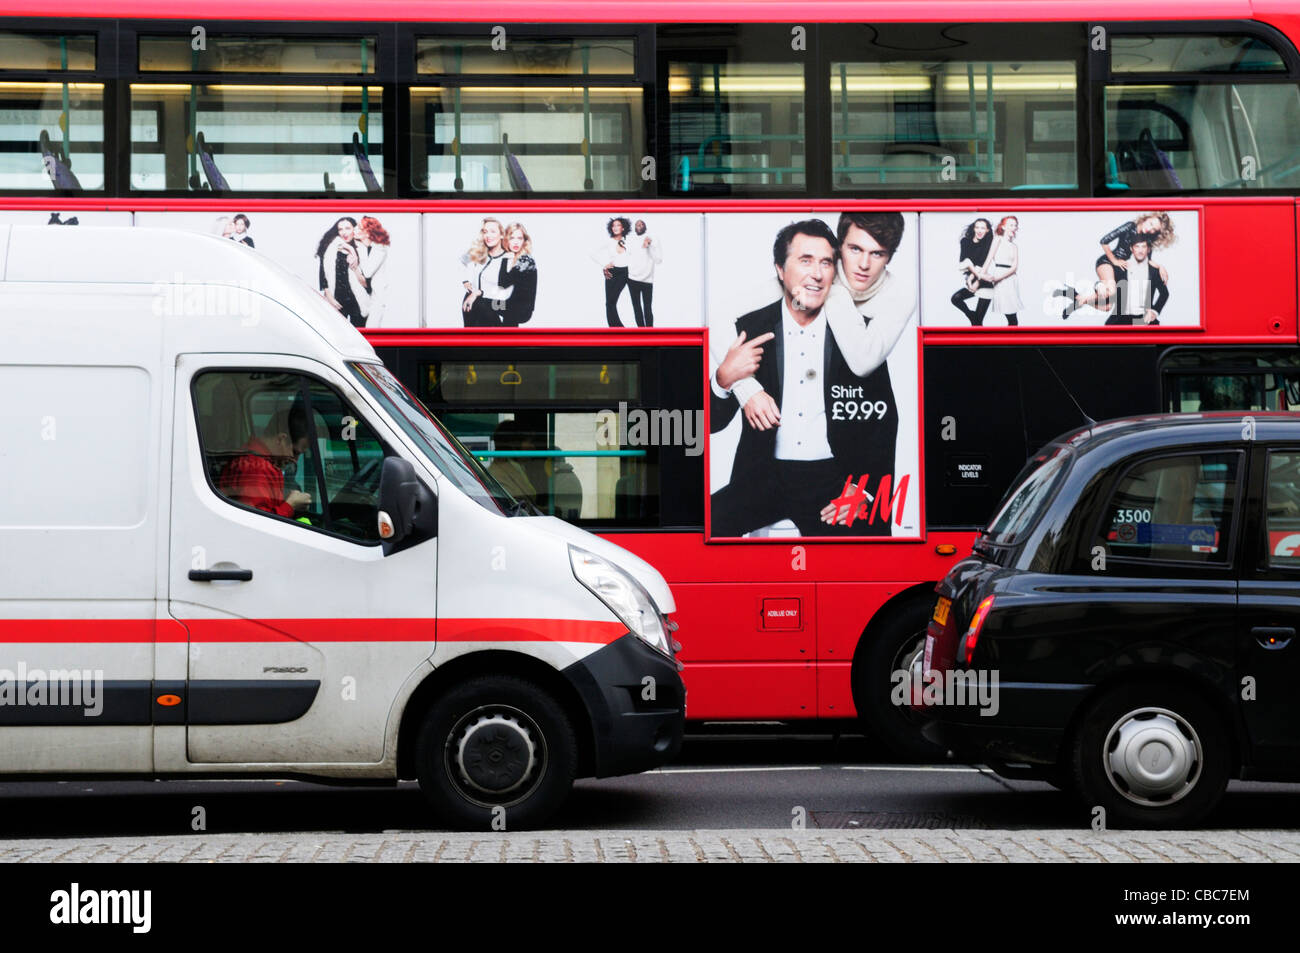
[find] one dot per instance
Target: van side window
(290, 447)
(1173, 508)
(1284, 510)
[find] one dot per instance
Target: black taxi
(1126, 623)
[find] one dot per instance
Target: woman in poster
(976, 241)
(519, 273)
(340, 270)
(373, 242)
(1155, 228)
(1001, 267)
(613, 257)
(485, 300)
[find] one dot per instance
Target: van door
(301, 629)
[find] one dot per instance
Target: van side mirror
(408, 510)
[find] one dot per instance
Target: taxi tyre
(1186, 738)
(887, 651)
(496, 753)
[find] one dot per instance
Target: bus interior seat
(1145, 165)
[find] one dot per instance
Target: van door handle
(1273, 636)
(221, 575)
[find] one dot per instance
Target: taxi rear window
(1033, 490)
(1176, 508)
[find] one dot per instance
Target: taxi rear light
(972, 636)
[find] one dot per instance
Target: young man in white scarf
(864, 289)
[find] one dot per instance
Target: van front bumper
(637, 705)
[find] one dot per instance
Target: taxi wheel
(888, 650)
(496, 753)
(1153, 756)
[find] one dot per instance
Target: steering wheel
(365, 482)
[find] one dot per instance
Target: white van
(231, 543)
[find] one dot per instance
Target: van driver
(256, 477)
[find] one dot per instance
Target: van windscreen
(451, 459)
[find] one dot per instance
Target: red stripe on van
(308, 630)
(528, 630)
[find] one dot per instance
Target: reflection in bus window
(526, 56)
(45, 51)
(256, 138)
(1194, 136)
(561, 138)
(953, 124)
(258, 54)
(52, 136)
(1193, 53)
(736, 125)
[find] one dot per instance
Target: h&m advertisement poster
(1061, 269)
(813, 380)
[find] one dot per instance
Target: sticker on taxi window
(1198, 537)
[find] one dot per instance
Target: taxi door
(1268, 654)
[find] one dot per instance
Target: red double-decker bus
(612, 246)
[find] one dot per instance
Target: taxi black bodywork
(1134, 603)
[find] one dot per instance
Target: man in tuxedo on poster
(809, 372)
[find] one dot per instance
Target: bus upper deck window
(1198, 112)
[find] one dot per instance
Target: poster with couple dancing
(1137, 268)
(813, 388)
(621, 269)
(366, 265)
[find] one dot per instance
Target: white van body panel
(187, 276)
(107, 506)
(650, 578)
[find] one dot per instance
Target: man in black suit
(807, 432)
(1140, 294)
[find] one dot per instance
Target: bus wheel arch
(892, 633)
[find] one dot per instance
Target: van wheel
(496, 753)
(1153, 756)
(891, 648)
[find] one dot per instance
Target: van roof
(161, 258)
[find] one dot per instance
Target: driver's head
(286, 433)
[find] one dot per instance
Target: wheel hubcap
(1152, 756)
(495, 753)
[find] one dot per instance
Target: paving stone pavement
(733, 846)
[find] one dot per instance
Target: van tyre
(496, 753)
(887, 650)
(1153, 756)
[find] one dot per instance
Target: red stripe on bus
(307, 630)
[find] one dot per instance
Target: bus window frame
(104, 31)
(127, 58)
(984, 35)
(406, 75)
(406, 361)
(1101, 76)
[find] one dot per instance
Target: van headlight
(625, 597)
